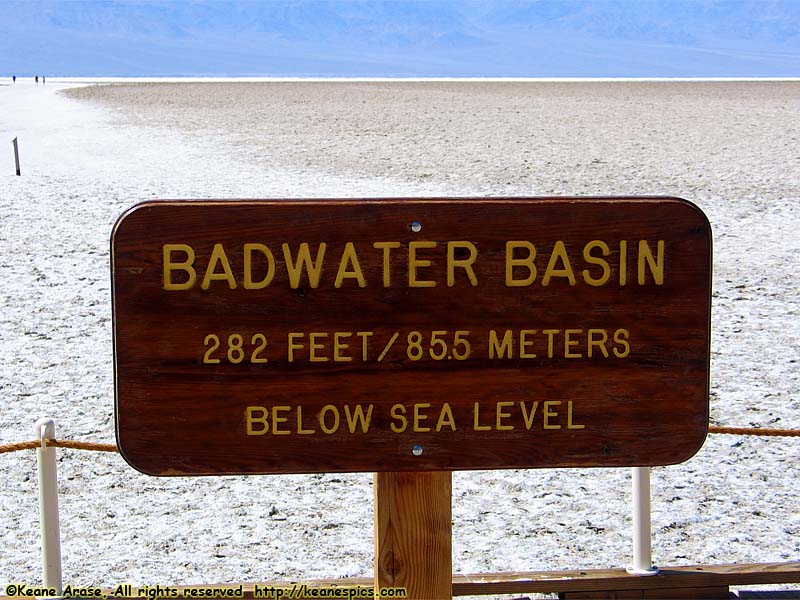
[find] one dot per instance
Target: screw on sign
(271, 336)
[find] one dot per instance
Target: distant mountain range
(350, 38)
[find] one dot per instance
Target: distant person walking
(36, 79)
(14, 79)
(42, 79)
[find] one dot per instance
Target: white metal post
(48, 506)
(642, 560)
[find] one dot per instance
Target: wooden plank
(505, 333)
(702, 593)
(413, 533)
(619, 579)
(487, 584)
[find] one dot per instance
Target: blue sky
(468, 38)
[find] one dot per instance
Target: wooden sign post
(413, 533)
(410, 335)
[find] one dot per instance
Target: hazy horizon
(438, 38)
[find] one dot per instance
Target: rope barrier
(20, 446)
(95, 447)
(75, 445)
(755, 431)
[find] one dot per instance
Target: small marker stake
(16, 154)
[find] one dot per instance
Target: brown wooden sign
(287, 336)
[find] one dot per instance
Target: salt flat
(91, 152)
